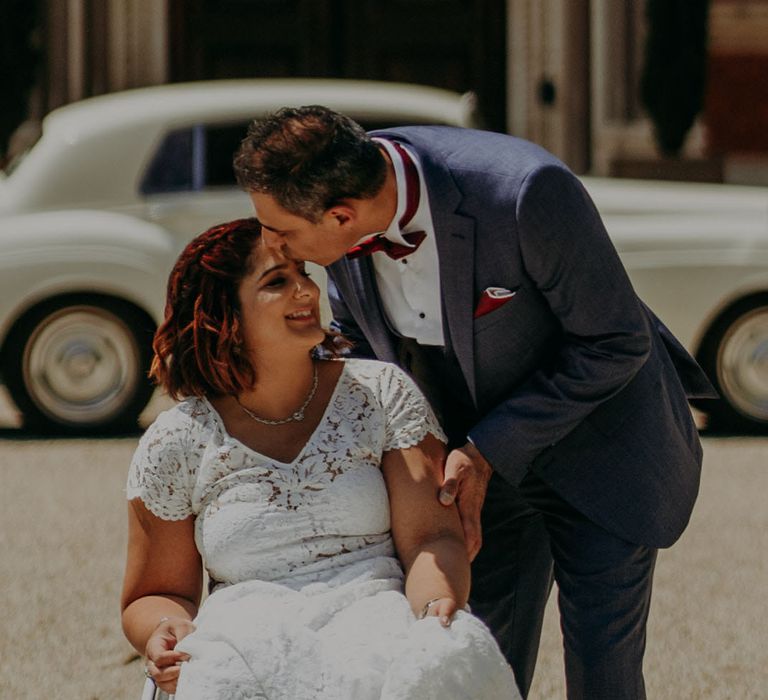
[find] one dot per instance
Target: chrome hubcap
(742, 364)
(81, 365)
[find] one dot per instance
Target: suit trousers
(530, 535)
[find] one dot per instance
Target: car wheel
(79, 364)
(734, 354)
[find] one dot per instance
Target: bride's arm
(428, 536)
(162, 588)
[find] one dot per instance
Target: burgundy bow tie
(393, 250)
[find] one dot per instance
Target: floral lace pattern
(258, 518)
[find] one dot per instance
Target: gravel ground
(62, 537)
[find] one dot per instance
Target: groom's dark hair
(308, 159)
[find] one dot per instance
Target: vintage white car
(95, 213)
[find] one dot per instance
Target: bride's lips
(301, 315)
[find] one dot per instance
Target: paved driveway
(62, 536)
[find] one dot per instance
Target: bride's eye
(276, 281)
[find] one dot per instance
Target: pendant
(298, 416)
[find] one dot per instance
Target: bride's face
(279, 305)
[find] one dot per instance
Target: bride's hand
(444, 608)
(162, 659)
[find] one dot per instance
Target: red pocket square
(492, 298)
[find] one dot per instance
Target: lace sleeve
(159, 473)
(408, 415)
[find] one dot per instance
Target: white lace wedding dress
(308, 603)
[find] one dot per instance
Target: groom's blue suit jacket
(573, 377)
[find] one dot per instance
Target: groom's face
(323, 242)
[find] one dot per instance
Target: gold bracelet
(426, 607)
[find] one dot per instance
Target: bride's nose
(303, 287)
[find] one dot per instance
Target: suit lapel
(455, 237)
(368, 309)
(455, 234)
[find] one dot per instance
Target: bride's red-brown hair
(198, 347)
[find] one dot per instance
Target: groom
(478, 262)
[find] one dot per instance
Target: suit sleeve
(344, 323)
(605, 334)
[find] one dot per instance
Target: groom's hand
(465, 481)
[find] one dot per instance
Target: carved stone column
(137, 53)
(98, 46)
(548, 76)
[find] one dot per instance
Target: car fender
(747, 281)
(80, 251)
(688, 266)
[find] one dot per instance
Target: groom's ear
(343, 213)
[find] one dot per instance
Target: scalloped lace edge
(154, 508)
(415, 438)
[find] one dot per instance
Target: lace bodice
(291, 523)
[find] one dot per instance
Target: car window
(221, 143)
(194, 158)
(171, 168)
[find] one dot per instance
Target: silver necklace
(297, 416)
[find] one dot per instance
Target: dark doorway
(454, 44)
(20, 41)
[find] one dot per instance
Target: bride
(306, 488)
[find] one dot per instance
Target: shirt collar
(392, 232)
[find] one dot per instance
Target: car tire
(79, 364)
(734, 354)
